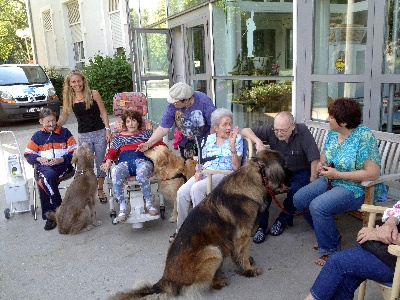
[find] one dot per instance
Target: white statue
(251, 26)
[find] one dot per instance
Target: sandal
(102, 198)
(322, 260)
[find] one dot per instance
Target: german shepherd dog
(220, 226)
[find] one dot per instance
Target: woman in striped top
(130, 162)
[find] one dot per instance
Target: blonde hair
(69, 93)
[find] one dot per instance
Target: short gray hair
(218, 114)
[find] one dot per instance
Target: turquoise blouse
(350, 155)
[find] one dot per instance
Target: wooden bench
(389, 148)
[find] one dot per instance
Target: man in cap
(191, 112)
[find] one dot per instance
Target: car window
(22, 75)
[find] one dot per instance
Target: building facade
(254, 57)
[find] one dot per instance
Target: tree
(12, 17)
(109, 75)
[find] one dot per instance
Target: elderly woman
(130, 162)
(223, 150)
(350, 155)
(346, 270)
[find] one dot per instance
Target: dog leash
(272, 194)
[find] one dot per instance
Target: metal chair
(68, 175)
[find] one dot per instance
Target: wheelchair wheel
(162, 212)
(7, 213)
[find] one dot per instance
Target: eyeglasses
(281, 130)
(180, 101)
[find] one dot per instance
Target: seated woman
(350, 155)
(346, 270)
(130, 162)
(50, 150)
(223, 150)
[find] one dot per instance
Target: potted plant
(270, 97)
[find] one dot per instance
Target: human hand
(50, 161)
(233, 134)
(320, 166)
(387, 233)
(198, 176)
(260, 146)
(108, 136)
(329, 172)
(367, 234)
(143, 147)
(105, 165)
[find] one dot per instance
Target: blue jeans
(323, 205)
(344, 271)
(297, 181)
(97, 142)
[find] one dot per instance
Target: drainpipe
(30, 24)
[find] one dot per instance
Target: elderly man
(301, 153)
(50, 151)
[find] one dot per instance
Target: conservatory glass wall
(253, 58)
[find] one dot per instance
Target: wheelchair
(134, 101)
(68, 175)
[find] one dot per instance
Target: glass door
(152, 68)
(198, 55)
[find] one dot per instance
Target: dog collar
(81, 172)
(180, 175)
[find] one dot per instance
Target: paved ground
(37, 264)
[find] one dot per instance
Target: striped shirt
(55, 144)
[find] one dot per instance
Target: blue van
(24, 90)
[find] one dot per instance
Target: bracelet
(108, 128)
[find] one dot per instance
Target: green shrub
(109, 75)
(57, 79)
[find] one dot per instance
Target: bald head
(283, 125)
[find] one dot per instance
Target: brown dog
(72, 216)
(220, 226)
(171, 170)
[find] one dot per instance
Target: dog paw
(251, 260)
(173, 219)
(98, 223)
(253, 272)
(219, 283)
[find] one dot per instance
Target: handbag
(380, 250)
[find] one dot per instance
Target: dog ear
(74, 159)
(90, 155)
(274, 167)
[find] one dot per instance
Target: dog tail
(146, 289)
(51, 215)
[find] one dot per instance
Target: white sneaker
(122, 216)
(151, 209)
